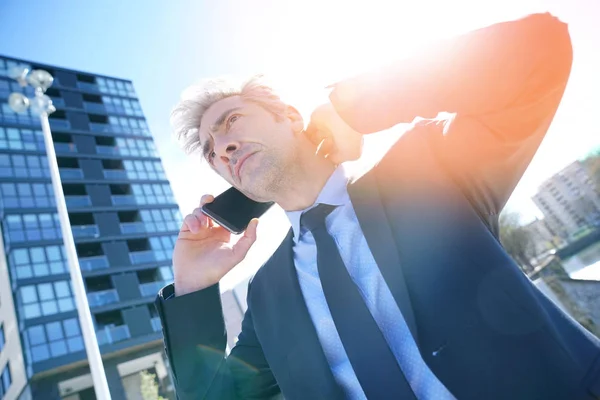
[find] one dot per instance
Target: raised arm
(502, 67)
(503, 85)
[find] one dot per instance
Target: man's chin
(251, 194)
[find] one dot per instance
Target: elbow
(558, 47)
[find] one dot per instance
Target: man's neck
(309, 180)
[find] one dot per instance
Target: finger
(205, 221)
(208, 222)
(207, 198)
(191, 224)
(240, 249)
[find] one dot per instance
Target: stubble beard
(276, 176)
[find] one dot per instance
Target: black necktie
(372, 360)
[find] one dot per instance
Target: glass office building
(124, 221)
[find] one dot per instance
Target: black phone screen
(234, 211)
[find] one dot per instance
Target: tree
(517, 241)
(149, 386)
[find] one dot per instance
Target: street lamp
(41, 105)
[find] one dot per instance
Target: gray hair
(187, 115)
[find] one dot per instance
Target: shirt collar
(334, 193)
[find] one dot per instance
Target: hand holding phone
(204, 252)
(233, 210)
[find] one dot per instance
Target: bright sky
(165, 46)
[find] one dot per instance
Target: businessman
(391, 283)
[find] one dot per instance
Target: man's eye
(232, 119)
(211, 155)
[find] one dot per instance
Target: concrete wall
(12, 353)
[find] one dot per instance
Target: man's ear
(295, 118)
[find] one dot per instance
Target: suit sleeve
(503, 85)
(195, 339)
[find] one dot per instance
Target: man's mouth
(239, 164)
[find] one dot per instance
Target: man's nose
(225, 149)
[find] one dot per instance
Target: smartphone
(234, 211)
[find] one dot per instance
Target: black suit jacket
(429, 211)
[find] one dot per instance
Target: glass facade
(23, 166)
(31, 227)
(37, 261)
(5, 380)
(122, 211)
(45, 299)
(119, 105)
(52, 339)
(21, 139)
(26, 195)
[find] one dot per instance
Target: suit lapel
(366, 199)
(308, 358)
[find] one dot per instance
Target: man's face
(249, 147)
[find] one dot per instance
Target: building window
(24, 166)
(132, 126)
(45, 299)
(9, 86)
(26, 195)
(21, 139)
(2, 339)
(119, 105)
(6, 65)
(38, 261)
(166, 273)
(7, 115)
(136, 147)
(53, 339)
(26, 227)
(162, 247)
(144, 170)
(113, 86)
(161, 220)
(5, 380)
(153, 194)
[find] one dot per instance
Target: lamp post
(41, 105)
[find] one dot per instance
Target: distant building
(541, 236)
(569, 201)
(124, 221)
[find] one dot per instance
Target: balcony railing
(59, 123)
(96, 108)
(65, 147)
(142, 257)
(151, 288)
(107, 150)
(85, 231)
(132, 227)
(123, 200)
(71, 173)
(78, 201)
(58, 102)
(156, 325)
(112, 334)
(98, 127)
(117, 174)
(102, 298)
(93, 263)
(90, 87)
